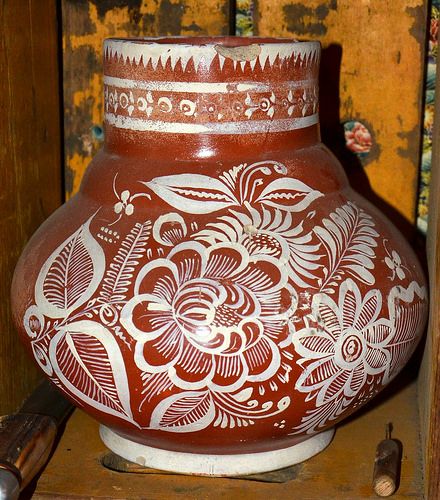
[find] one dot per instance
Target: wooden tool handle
(386, 468)
(26, 441)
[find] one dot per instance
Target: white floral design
(343, 344)
(270, 232)
(264, 104)
(278, 104)
(394, 262)
(262, 183)
(212, 316)
(81, 355)
(206, 306)
(145, 103)
(123, 204)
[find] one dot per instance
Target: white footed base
(215, 465)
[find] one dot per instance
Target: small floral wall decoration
(357, 138)
(244, 18)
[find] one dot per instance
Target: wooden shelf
(342, 471)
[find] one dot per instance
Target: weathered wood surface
(343, 471)
(429, 380)
(31, 185)
(372, 71)
(372, 65)
(86, 24)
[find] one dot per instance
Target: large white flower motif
(211, 317)
(270, 232)
(346, 344)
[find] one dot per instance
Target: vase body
(216, 295)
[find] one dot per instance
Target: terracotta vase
(216, 295)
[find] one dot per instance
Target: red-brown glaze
(255, 237)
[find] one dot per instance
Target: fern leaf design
(153, 385)
(120, 271)
(317, 418)
(407, 309)
(348, 236)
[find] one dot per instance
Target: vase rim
(201, 41)
(210, 86)
(206, 50)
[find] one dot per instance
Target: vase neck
(209, 95)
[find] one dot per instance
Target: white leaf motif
(42, 359)
(120, 271)
(189, 411)
(193, 193)
(288, 194)
(407, 308)
(243, 395)
(348, 237)
(87, 360)
(70, 275)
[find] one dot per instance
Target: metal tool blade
(9, 485)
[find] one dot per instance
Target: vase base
(215, 465)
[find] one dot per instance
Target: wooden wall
(31, 185)
(372, 71)
(86, 24)
(429, 379)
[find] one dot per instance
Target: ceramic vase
(216, 295)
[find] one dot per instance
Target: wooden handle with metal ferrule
(26, 441)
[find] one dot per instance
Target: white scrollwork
(187, 107)
(225, 304)
(165, 104)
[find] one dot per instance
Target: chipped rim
(227, 40)
(147, 78)
(253, 48)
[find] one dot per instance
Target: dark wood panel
(29, 161)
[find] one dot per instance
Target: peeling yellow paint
(113, 24)
(77, 165)
(375, 85)
(83, 102)
(148, 7)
